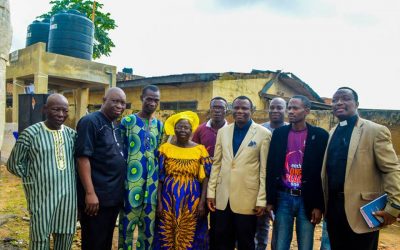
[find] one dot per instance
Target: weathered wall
(326, 120)
(323, 119)
(200, 92)
(281, 90)
(389, 118)
(231, 88)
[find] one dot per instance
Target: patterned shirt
(44, 159)
(142, 140)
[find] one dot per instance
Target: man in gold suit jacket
(360, 165)
(236, 189)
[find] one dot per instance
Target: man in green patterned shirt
(43, 157)
(142, 134)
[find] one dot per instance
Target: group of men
(277, 171)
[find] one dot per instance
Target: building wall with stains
(230, 89)
(324, 119)
(320, 118)
(281, 90)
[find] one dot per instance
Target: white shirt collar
(209, 123)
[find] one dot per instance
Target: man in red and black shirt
(206, 134)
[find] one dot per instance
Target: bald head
(276, 112)
(56, 99)
(56, 110)
(278, 101)
(113, 91)
(114, 103)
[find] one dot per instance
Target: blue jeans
(325, 245)
(261, 239)
(287, 208)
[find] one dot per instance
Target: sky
(326, 43)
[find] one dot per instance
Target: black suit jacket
(316, 142)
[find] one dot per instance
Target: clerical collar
(350, 121)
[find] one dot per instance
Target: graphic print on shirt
(293, 163)
(294, 159)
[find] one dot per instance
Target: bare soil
(14, 220)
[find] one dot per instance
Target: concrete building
(194, 91)
(49, 73)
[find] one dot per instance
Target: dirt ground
(14, 221)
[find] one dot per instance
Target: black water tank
(38, 31)
(71, 34)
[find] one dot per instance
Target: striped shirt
(44, 159)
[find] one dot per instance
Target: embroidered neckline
(59, 150)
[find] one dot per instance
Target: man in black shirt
(101, 168)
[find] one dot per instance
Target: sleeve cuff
(261, 204)
(391, 210)
(210, 194)
(84, 153)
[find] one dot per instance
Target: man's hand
(388, 219)
(316, 216)
(270, 211)
(92, 204)
(211, 204)
(201, 210)
(259, 211)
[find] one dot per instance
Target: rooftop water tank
(127, 70)
(71, 34)
(38, 31)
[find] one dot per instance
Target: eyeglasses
(217, 108)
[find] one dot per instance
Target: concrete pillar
(18, 88)
(41, 82)
(5, 45)
(106, 88)
(81, 95)
(114, 79)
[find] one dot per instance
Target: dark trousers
(211, 231)
(231, 227)
(341, 236)
(97, 231)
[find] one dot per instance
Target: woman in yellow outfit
(184, 170)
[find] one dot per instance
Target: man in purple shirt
(294, 188)
(206, 134)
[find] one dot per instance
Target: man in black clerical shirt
(360, 165)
